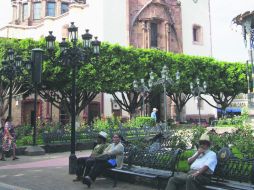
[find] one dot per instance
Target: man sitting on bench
(111, 157)
(203, 164)
(85, 163)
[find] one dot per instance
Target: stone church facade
(156, 24)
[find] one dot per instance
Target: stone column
(14, 12)
(144, 33)
(167, 36)
(43, 8)
(58, 7)
(30, 13)
(19, 12)
(148, 35)
(29, 9)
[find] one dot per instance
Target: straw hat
(204, 137)
(103, 134)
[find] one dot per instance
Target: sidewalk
(49, 172)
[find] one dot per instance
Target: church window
(154, 35)
(51, 7)
(64, 8)
(25, 11)
(37, 10)
(197, 34)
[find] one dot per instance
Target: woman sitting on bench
(111, 157)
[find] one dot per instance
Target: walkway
(49, 172)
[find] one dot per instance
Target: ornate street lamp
(11, 68)
(164, 81)
(50, 41)
(196, 91)
(141, 88)
(74, 55)
(246, 20)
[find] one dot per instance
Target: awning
(230, 110)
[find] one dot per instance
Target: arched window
(154, 35)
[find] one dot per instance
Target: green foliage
(105, 124)
(82, 127)
(183, 165)
(236, 121)
(196, 132)
(140, 143)
(43, 127)
(243, 140)
(26, 140)
(116, 68)
(23, 130)
(140, 122)
(180, 139)
(101, 125)
(115, 122)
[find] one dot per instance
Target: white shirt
(209, 159)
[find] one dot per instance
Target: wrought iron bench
(65, 137)
(133, 133)
(232, 173)
(89, 135)
(157, 165)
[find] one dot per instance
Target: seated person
(85, 163)
(111, 157)
(203, 164)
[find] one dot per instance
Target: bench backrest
(232, 168)
(236, 169)
(161, 159)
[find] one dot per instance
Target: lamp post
(164, 81)
(142, 88)
(246, 20)
(74, 56)
(11, 68)
(196, 91)
(37, 59)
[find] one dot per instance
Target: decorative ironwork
(252, 38)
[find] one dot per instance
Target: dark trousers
(187, 182)
(84, 165)
(99, 167)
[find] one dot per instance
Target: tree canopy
(115, 69)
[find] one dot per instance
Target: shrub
(235, 121)
(23, 130)
(108, 123)
(26, 140)
(140, 122)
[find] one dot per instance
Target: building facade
(164, 24)
(197, 40)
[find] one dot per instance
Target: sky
(227, 38)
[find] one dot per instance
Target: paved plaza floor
(50, 172)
